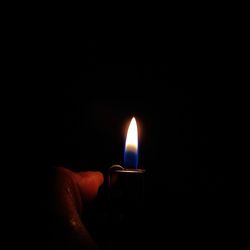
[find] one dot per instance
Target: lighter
(126, 183)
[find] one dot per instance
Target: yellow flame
(132, 137)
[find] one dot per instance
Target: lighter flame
(132, 137)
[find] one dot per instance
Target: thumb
(89, 183)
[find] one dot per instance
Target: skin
(74, 192)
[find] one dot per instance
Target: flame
(131, 146)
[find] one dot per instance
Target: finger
(67, 190)
(68, 200)
(92, 176)
(89, 183)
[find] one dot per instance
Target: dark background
(85, 93)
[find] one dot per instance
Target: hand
(74, 191)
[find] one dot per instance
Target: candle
(126, 183)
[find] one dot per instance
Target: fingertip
(99, 177)
(89, 182)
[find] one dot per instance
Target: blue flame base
(130, 160)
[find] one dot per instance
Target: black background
(85, 92)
